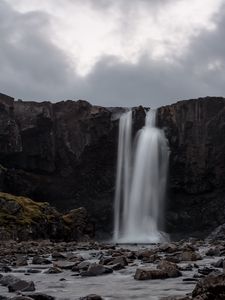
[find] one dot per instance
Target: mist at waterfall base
(140, 182)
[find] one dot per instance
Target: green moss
(29, 210)
(2, 168)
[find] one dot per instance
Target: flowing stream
(141, 182)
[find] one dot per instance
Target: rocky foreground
(44, 270)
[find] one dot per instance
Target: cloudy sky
(112, 52)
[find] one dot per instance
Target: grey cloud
(33, 68)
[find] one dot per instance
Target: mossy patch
(24, 210)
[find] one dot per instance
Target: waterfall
(140, 185)
(123, 172)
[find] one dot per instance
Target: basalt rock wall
(196, 190)
(65, 153)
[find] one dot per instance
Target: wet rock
(218, 264)
(118, 260)
(82, 266)
(32, 271)
(5, 269)
(146, 253)
(187, 267)
(170, 268)
(190, 256)
(53, 270)
(96, 270)
(40, 296)
(21, 261)
(117, 267)
(58, 255)
(168, 247)
(211, 287)
(21, 285)
(8, 279)
(190, 279)
(148, 273)
(213, 252)
(206, 270)
(92, 297)
(38, 260)
(64, 265)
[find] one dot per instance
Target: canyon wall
(65, 153)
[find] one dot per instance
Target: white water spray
(140, 188)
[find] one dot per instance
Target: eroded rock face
(24, 219)
(196, 133)
(65, 153)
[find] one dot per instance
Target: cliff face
(65, 153)
(196, 133)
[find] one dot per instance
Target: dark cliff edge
(65, 153)
(196, 133)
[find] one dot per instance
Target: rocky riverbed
(46, 270)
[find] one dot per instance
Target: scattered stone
(190, 256)
(213, 252)
(33, 271)
(147, 273)
(206, 270)
(187, 267)
(5, 269)
(64, 265)
(190, 279)
(96, 270)
(53, 270)
(58, 255)
(38, 260)
(170, 268)
(21, 261)
(21, 285)
(146, 253)
(117, 267)
(118, 260)
(91, 297)
(211, 287)
(218, 263)
(82, 266)
(8, 279)
(168, 247)
(40, 296)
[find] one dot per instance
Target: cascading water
(123, 173)
(140, 187)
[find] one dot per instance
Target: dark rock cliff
(65, 153)
(196, 134)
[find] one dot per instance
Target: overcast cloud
(124, 52)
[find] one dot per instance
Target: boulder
(148, 273)
(210, 287)
(190, 256)
(40, 296)
(92, 297)
(53, 270)
(96, 270)
(22, 286)
(38, 260)
(170, 268)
